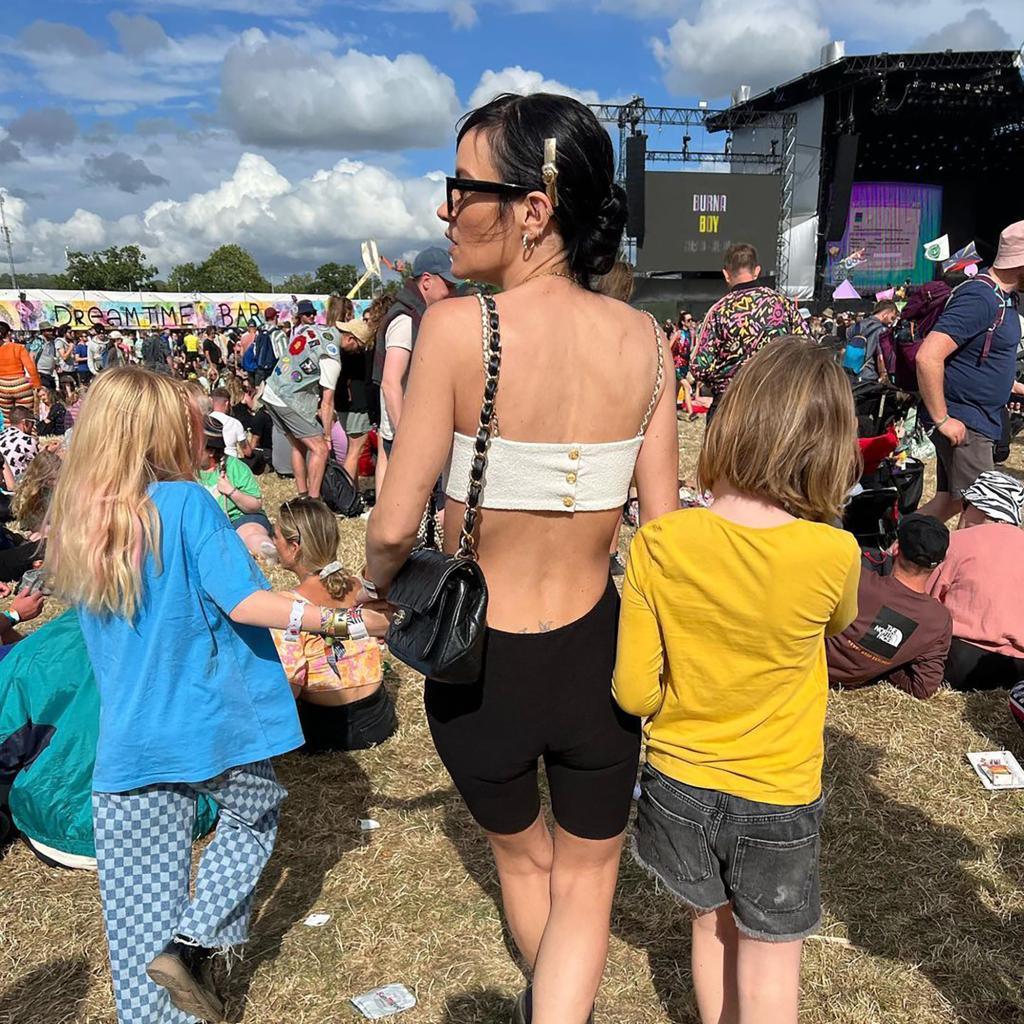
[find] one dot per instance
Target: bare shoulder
(446, 326)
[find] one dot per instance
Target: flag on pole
(962, 259)
(937, 249)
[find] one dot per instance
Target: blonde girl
(340, 687)
(175, 616)
(724, 614)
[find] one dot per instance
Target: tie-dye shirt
(311, 665)
(746, 318)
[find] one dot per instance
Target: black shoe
(185, 972)
(522, 1013)
(616, 566)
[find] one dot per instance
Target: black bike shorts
(542, 695)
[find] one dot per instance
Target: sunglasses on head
(457, 188)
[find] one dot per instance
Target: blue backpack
(260, 354)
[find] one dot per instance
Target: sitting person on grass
(235, 490)
(900, 633)
(49, 723)
(343, 704)
(979, 584)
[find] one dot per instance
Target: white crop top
(540, 476)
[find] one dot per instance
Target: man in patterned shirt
(747, 317)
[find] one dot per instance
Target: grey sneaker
(616, 566)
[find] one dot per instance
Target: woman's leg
(524, 868)
(713, 959)
(143, 859)
(382, 466)
(574, 948)
(768, 981)
(356, 444)
(249, 798)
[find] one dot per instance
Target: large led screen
(693, 217)
(888, 225)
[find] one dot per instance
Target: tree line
(229, 268)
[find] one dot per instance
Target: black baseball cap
(923, 540)
(213, 432)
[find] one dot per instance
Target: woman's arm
(30, 367)
(273, 611)
(657, 466)
(423, 444)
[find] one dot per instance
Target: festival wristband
(291, 634)
(356, 626)
(945, 419)
(369, 587)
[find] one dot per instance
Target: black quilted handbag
(441, 600)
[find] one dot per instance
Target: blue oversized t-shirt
(185, 693)
(977, 389)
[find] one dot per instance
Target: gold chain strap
(659, 379)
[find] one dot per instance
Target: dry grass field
(922, 877)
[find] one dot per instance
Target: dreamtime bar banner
(132, 310)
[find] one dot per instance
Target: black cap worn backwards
(923, 540)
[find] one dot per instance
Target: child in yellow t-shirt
(721, 649)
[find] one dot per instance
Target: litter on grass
(316, 920)
(997, 769)
(384, 1002)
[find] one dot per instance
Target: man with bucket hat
(966, 369)
(979, 584)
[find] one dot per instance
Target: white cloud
(976, 30)
(725, 46)
(274, 93)
(519, 80)
(323, 216)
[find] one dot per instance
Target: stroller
(891, 488)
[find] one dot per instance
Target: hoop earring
(528, 244)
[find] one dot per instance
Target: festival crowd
(147, 715)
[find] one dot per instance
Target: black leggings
(542, 695)
(969, 667)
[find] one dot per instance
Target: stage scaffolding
(630, 117)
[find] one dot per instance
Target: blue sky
(300, 127)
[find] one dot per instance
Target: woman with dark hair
(582, 405)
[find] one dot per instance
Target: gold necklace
(552, 273)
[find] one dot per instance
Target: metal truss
(630, 116)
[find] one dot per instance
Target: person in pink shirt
(979, 585)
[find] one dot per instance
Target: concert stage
(870, 156)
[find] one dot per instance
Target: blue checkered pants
(144, 857)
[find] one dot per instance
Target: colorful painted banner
(144, 310)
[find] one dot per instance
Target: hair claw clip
(549, 170)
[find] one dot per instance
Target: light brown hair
(741, 256)
(136, 428)
(309, 523)
(786, 432)
(618, 282)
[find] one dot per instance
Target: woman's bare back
(577, 367)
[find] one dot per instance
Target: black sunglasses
(494, 188)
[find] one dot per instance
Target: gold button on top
(574, 453)
(567, 501)
(570, 478)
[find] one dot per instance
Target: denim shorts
(711, 849)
